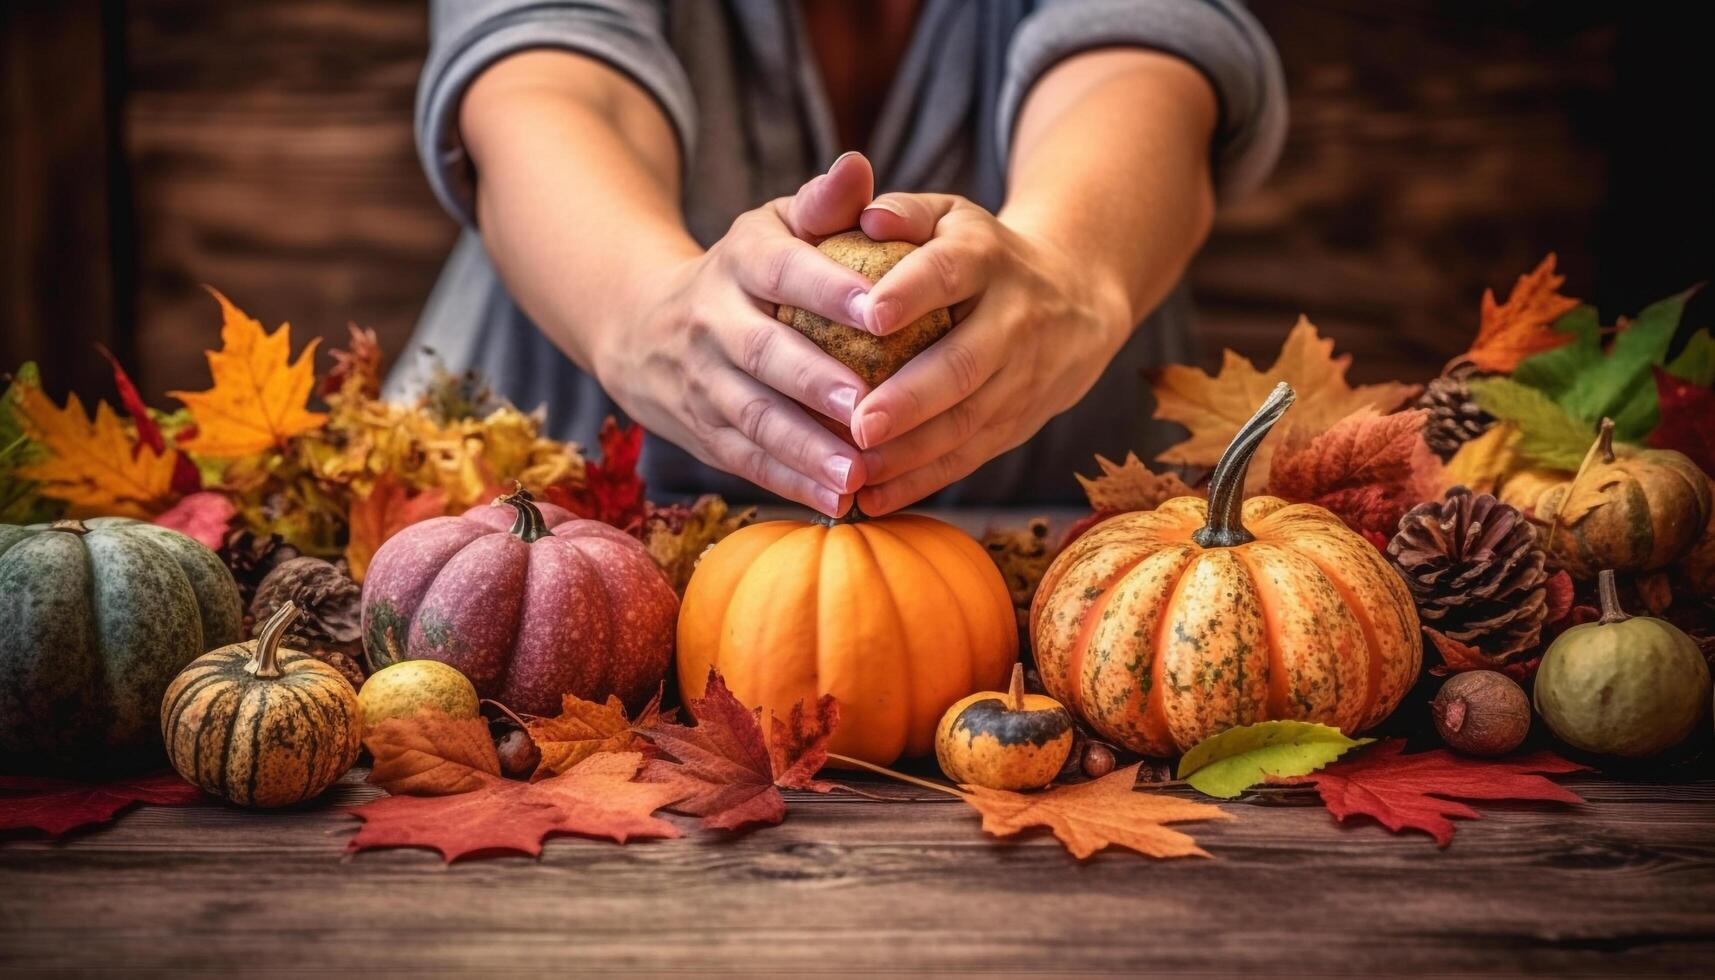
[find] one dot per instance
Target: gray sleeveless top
(737, 79)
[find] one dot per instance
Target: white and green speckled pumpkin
(96, 618)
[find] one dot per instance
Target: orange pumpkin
(1164, 627)
(896, 617)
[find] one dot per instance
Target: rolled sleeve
(469, 35)
(1221, 39)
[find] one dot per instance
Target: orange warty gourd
(1163, 627)
(897, 617)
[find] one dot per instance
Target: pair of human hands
(707, 366)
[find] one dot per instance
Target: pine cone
(250, 557)
(1454, 416)
(1476, 570)
(329, 599)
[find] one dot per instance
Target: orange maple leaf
(1524, 325)
(597, 798)
(431, 753)
(257, 402)
(94, 465)
(1089, 816)
(1213, 407)
(585, 728)
(386, 510)
(1130, 486)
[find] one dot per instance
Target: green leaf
(1555, 371)
(1620, 386)
(1548, 436)
(1225, 765)
(1696, 363)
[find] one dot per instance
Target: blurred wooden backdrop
(265, 147)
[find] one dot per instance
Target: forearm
(1110, 163)
(577, 180)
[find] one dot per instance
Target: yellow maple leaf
(94, 465)
(1089, 816)
(257, 402)
(1213, 407)
(1130, 486)
(1485, 463)
(1524, 325)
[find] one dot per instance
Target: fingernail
(873, 429)
(857, 307)
(887, 206)
(841, 401)
(828, 502)
(839, 469)
(848, 153)
(882, 315)
(872, 462)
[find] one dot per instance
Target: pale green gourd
(1625, 686)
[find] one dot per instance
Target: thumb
(831, 203)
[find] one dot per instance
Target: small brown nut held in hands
(875, 359)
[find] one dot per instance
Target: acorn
(1481, 712)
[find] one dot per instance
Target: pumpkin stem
(530, 524)
(1227, 486)
(1605, 441)
(1015, 693)
(71, 525)
(852, 516)
(266, 662)
(1609, 597)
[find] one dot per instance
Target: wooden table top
(1625, 883)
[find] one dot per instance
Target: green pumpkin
(96, 617)
(1625, 686)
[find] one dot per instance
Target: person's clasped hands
(710, 368)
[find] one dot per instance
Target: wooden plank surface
(1622, 884)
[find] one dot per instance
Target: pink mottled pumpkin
(528, 601)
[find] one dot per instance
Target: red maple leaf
(727, 772)
(1368, 469)
(612, 492)
(202, 516)
(186, 478)
(1419, 791)
(595, 798)
(55, 806)
(1686, 411)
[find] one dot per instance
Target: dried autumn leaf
(1417, 792)
(203, 516)
(596, 798)
(259, 395)
(386, 510)
(1087, 817)
(1524, 325)
(1130, 486)
(1368, 469)
(798, 748)
(677, 535)
(94, 465)
(431, 754)
(582, 729)
(1213, 407)
(1485, 463)
(1686, 413)
(1023, 556)
(726, 771)
(57, 806)
(356, 370)
(610, 491)
(186, 478)
(1457, 656)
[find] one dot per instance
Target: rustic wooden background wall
(1437, 146)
